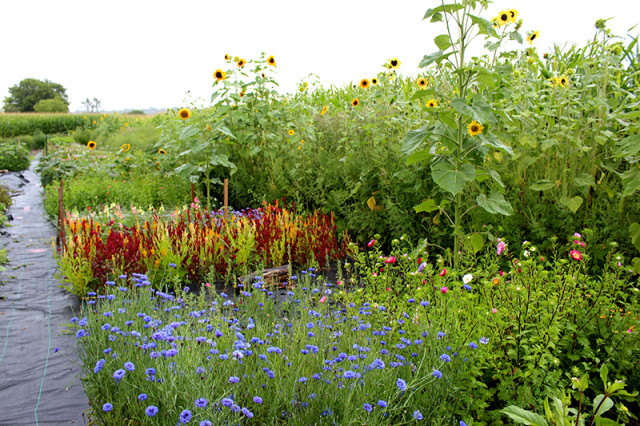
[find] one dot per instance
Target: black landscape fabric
(39, 366)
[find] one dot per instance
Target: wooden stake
(193, 193)
(226, 199)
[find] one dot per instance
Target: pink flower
(444, 290)
(580, 243)
(339, 283)
(575, 254)
(375, 274)
(207, 285)
(501, 273)
(390, 259)
(501, 247)
(576, 235)
(371, 243)
(443, 272)
(494, 310)
(629, 330)
(323, 299)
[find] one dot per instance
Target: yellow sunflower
(495, 21)
(126, 124)
(394, 63)
(92, 144)
(324, 109)
(513, 15)
(503, 18)
(563, 80)
(126, 147)
(220, 75)
(184, 113)
(475, 128)
(374, 81)
(432, 103)
(532, 36)
(241, 63)
(292, 132)
(365, 83)
(355, 102)
(226, 57)
(95, 122)
(162, 151)
(271, 61)
(422, 82)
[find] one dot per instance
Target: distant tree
(92, 105)
(56, 104)
(136, 111)
(25, 95)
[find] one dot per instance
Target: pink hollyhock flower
(501, 247)
(444, 290)
(443, 272)
(390, 259)
(323, 299)
(629, 330)
(501, 273)
(576, 235)
(207, 285)
(371, 243)
(575, 254)
(494, 310)
(388, 289)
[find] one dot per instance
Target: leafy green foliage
(13, 157)
(24, 96)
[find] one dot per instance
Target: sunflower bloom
(126, 147)
(563, 80)
(365, 83)
(355, 102)
(184, 113)
(374, 81)
(292, 132)
(241, 63)
(432, 103)
(220, 75)
(394, 63)
(324, 109)
(475, 128)
(503, 18)
(532, 36)
(513, 15)
(271, 61)
(226, 57)
(422, 82)
(162, 151)
(92, 144)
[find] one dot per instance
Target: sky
(138, 54)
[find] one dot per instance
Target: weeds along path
(39, 383)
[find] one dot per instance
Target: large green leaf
(442, 41)
(487, 77)
(634, 232)
(572, 204)
(542, 185)
(450, 179)
(515, 35)
(492, 141)
(628, 146)
(460, 105)
(189, 132)
(447, 8)
(601, 406)
(482, 111)
(434, 57)
(484, 26)
(630, 182)
(495, 176)
(426, 206)
(584, 180)
(419, 156)
(477, 242)
(414, 139)
(495, 203)
(520, 415)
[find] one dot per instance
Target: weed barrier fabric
(38, 383)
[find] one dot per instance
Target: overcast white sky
(141, 53)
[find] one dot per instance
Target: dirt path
(38, 383)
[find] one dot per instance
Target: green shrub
(56, 104)
(82, 136)
(39, 139)
(13, 157)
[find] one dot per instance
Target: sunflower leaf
(495, 203)
(572, 204)
(419, 156)
(189, 132)
(542, 185)
(447, 8)
(634, 233)
(515, 35)
(450, 179)
(414, 139)
(426, 206)
(630, 182)
(494, 142)
(424, 93)
(434, 57)
(442, 41)
(628, 146)
(460, 105)
(484, 26)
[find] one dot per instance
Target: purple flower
(445, 358)
(201, 402)
(106, 407)
(119, 374)
(142, 397)
(417, 415)
(473, 345)
(401, 384)
(226, 402)
(129, 366)
(98, 366)
(185, 416)
(436, 373)
(151, 410)
(205, 423)
(80, 333)
(246, 412)
(484, 340)
(382, 403)
(234, 379)
(349, 374)
(367, 407)
(302, 379)
(257, 400)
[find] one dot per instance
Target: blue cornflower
(382, 403)
(302, 379)
(129, 366)
(80, 333)
(349, 374)
(226, 402)
(106, 407)
(368, 407)
(142, 397)
(234, 379)
(234, 408)
(310, 325)
(417, 415)
(151, 410)
(257, 400)
(467, 287)
(246, 412)
(122, 288)
(401, 384)
(201, 402)
(445, 358)
(99, 366)
(484, 340)
(119, 374)
(441, 334)
(150, 371)
(185, 416)
(473, 345)
(205, 423)
(424, 303)
(437, 373)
